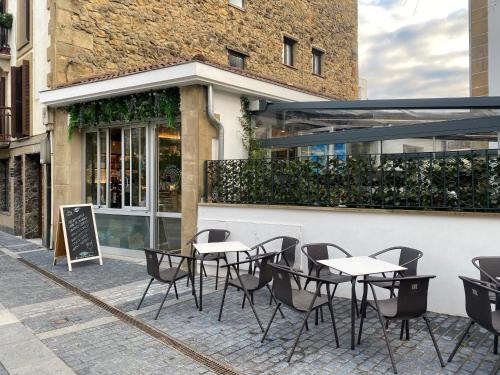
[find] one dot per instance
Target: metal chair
(319, 251)
(489, 271)
(478, 308)
(249, 282)
(168, 276)
(408, 258)
(285, 255)
(411, 303)
(299, 300)
(214, 235)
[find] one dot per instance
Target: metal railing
(4, 40)
(454, 181)
(5, 124)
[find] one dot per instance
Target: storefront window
(123, 157)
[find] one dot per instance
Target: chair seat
(495, 317)
(388, 307)
(333, 278)
(167, 275)
(302, 300)
(210, 256)
(379, 281)
(250, 282)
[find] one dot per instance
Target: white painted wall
(494, 47)
(227, 105)
(40, 66)
(448, 241)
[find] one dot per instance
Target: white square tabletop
(220, 247)
(361, 266)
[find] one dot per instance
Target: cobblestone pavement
(91, 341)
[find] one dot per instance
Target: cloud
(412, 48)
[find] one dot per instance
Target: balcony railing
(4, 41)
(453, 181)
(5, 126)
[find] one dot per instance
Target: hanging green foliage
(6, 20)
(163, 104)
(248, 134)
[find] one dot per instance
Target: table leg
(353, 311)
(201, 285)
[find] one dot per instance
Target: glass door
(168, 188)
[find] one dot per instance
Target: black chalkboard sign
(77, 234)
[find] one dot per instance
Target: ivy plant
(163, 104)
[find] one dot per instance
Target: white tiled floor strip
(21, 352)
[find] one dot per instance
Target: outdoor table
(359, 266)
(218, 247)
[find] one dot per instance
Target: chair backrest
(288, 247)
(408, 258)
(477, 302)
(152, 263)
(319, 251)
(282, 284)
(218, 235)
(489, 267)
(412, 296)
(265, 270)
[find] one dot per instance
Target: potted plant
(6, 20)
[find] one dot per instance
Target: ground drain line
(216, 366)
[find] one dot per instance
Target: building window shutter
(26, 95)
(14, 103)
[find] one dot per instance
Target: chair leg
(223, 296)
(496, 370)
(330, 307)
(407, 326)
(193, 290)
(204, 270)
(471, 323)
(387, 342)
(217, 275)
(275, 301)
(304, 323)
(495, 345)
(402, 329)
(433, 339)
(307, 326)
(243, 302)
(321, 314)
(175, 290)
(361, 326)
(251, 298)
(270, 322)
(316, 317)
(164, 299)
(144, 295)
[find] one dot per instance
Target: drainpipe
(214, 121)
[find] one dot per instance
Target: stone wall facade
(32, 209)
(97, 36)
(18, 195)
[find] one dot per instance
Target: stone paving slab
(236, 340)
(80, 335)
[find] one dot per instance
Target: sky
(414, 48)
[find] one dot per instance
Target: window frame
(289, 51)
(237, 54)
(318, 53)
(123, 129)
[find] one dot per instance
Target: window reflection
(169, 169)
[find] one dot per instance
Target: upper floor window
(289, 46)
(236, 59)
(23, 22)
(317, 61)
(238, 3)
